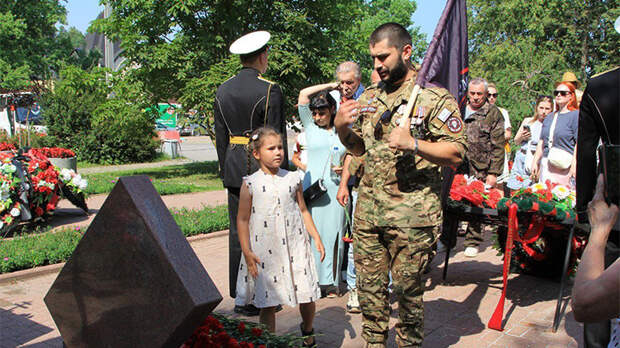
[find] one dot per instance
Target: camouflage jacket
(397, 189)
(484, 130)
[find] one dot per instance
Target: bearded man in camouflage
(399, 210)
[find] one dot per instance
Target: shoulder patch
(455, 125)
(264, 79)
(444, 114)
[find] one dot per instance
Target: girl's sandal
(307, 335)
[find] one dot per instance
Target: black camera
(609, 166)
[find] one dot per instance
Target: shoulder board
(604, 72)
(264, 79)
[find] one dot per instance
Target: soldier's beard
(396, 74)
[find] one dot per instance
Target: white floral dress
(287, 273)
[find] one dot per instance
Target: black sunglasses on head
(385, 118)
(563, 93)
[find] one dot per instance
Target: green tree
(29, 48)
(100, 115)
(179, 49)
(526, 46)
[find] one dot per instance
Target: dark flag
(446, 62)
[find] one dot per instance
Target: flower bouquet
(10, 206)
(7, 147)
(471, 199)
(545, 212)
(218, 331)
(52, 152)
(72, 187)
(31, 187)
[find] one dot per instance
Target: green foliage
(103, 122)
(32, 47)
(207, 219)
(526, 46)
(189, 177)
(31, 250)
(178, 53)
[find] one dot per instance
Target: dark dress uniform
(242, 104)
(602, 93)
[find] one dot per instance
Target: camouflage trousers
(405, 252)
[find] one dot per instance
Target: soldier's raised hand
(347, 114)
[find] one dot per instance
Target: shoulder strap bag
(557, 157)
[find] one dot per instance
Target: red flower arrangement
(53, 152)
(43, 191)
(7, 147)
(474, 191)
(218, 331)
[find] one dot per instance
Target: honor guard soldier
(244, 103)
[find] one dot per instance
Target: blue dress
(327, 214)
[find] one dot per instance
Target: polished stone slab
(133, 280)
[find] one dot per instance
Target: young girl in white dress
(274, 224)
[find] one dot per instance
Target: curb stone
(40, 271)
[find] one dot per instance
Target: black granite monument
(133, 280)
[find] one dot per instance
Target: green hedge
(31, 250)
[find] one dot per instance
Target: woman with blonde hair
(527, 139)
(555, 158)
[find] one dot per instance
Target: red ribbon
(495, 322)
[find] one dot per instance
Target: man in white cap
(244, 103)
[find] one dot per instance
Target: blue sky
(81, 12)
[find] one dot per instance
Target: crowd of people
(373, 170)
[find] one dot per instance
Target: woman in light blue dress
(317, 110)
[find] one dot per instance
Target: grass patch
(40, 249)
(168, 180)
(159, 157)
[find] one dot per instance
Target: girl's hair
(540, 99)
(258, 136)
(323, 99)
(572, 104)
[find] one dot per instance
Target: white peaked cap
(249, 43)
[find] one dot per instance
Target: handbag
(314, 191)
(318, 188)
(557, 157)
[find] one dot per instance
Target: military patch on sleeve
(444, 114)
(455, 125)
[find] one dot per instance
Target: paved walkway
(456, 312)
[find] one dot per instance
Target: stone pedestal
(133, 280)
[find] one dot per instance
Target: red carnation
(39, 211)
(257, 332)
(241, 327)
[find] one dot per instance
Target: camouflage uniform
(484, 130)
(399, 210)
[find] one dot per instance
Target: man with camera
(398, 212)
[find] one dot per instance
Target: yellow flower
(538, 187)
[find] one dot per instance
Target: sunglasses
(562, 93)
(492, 95)
(385, 118)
